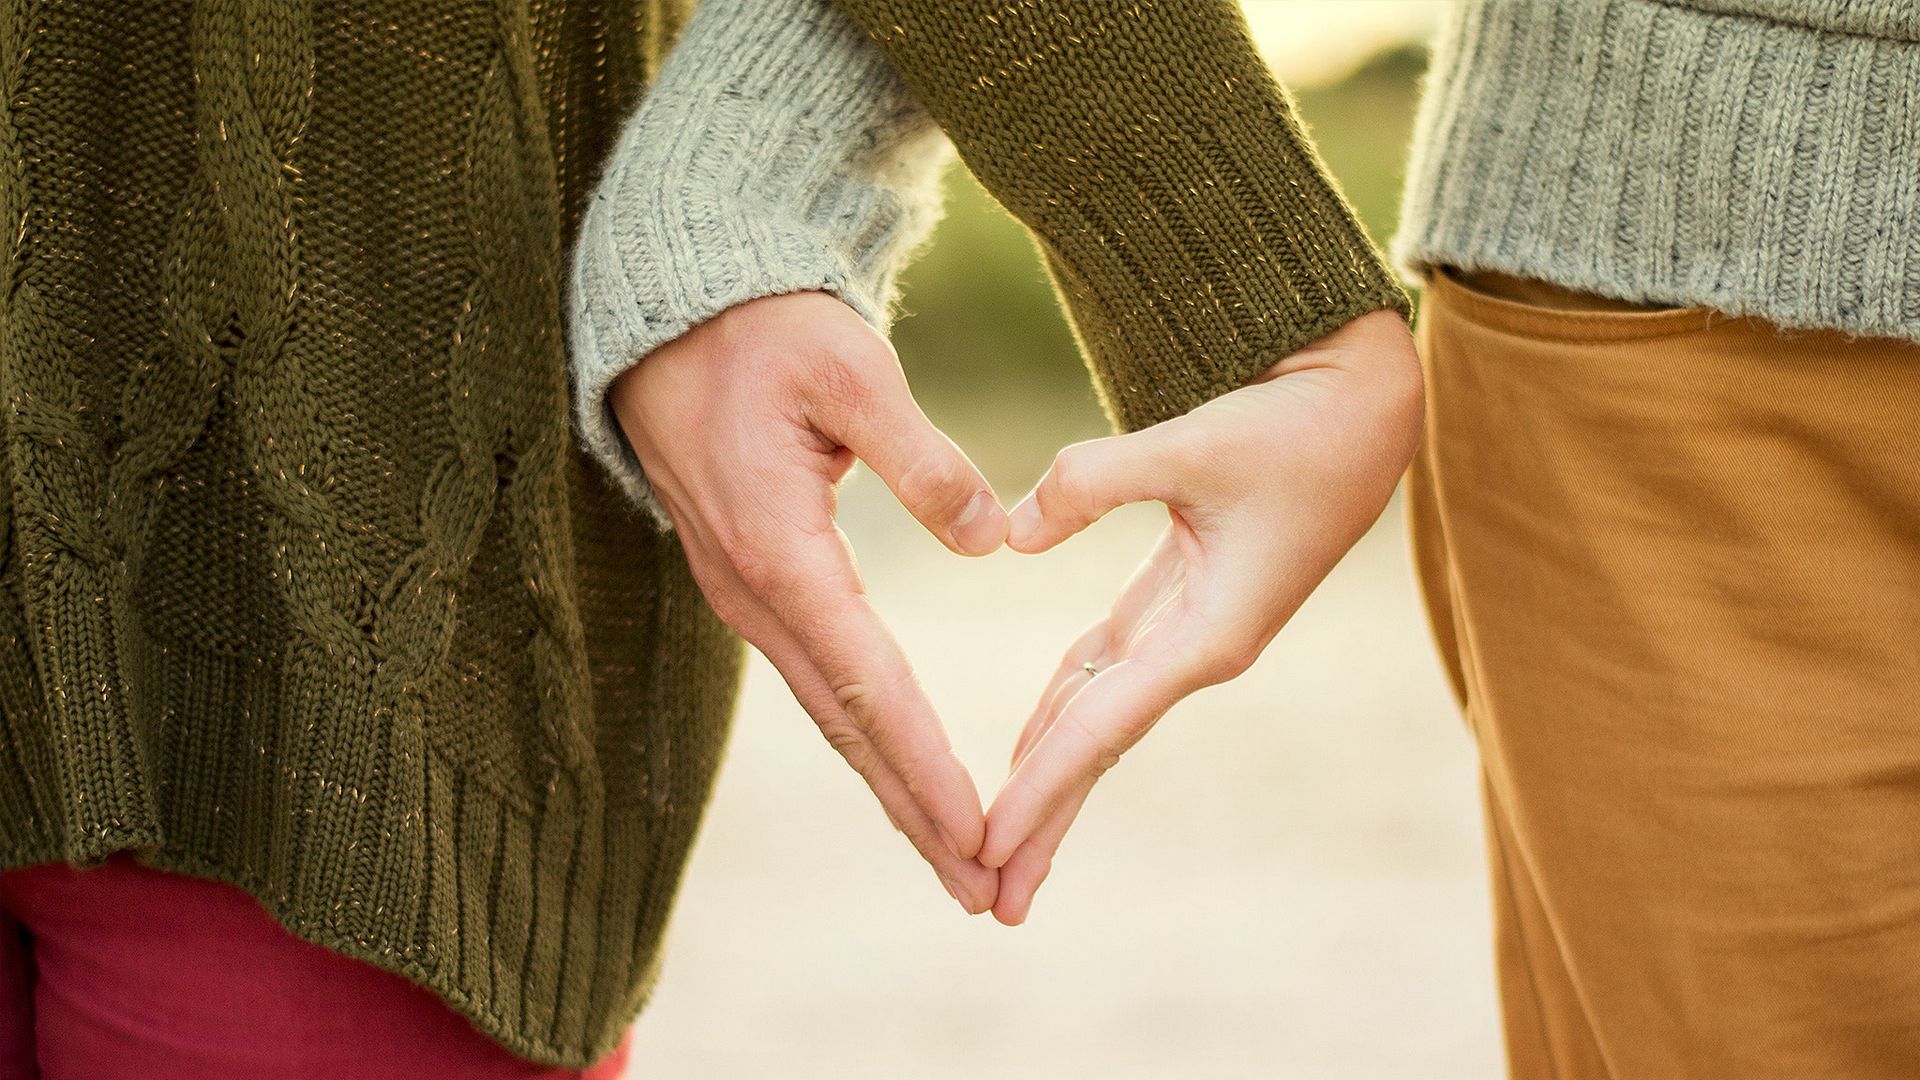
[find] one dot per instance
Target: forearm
(1189, 225)
(776, 152)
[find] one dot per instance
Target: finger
(1090, 652)
(924, 469)
(1058, 694)
(972, 885)
(976, 887)
(820, 601)
(1090, 478)
(1108, 715)
(1021, 878)
(1069, 676)
(969, 883)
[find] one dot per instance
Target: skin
(1266, 488)
(746, 425)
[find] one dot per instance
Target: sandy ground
(1283, 880)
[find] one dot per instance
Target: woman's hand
(1267, 487)
(745, 426)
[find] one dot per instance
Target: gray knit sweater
(1758, 156)
(776, 151)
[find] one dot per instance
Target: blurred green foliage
(984, 341)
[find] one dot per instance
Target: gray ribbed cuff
(1661, 152)
(776, 152)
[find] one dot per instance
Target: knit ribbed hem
(1179, 296)
(479, 892)
(1655, 152)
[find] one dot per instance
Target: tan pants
(1672, 560)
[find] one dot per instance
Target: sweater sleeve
(776, 151)
(1192, 231)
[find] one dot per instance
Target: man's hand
(1267, 487)
(745, 426)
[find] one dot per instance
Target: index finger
(1105, 717)
(819, 598)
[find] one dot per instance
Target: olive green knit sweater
(306, 584)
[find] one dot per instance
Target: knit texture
(306, 583)
(1191, 230)
(1761, 157)
(777, 151)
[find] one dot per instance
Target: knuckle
(915, 781)
(758, 575)
(1106, 748)
(861, 704)
(849, 741)
(916, 772)
(1037, 795)
(750, 559)
(937, 484)
(1069, 481)
(855, 698)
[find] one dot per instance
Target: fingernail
(978, 527)
(1026, 520)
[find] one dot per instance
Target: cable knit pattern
(1761, 157)
(306, 583)
(777, 151)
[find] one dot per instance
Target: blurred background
(1284, 879)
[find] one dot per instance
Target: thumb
(924, 469)
(1088, 479)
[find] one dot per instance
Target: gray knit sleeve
(777, 151)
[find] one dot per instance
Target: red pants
(124, 971)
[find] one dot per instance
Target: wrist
(1379, 342)
(1368, 376)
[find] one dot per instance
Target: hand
(745, 426)
(1266, 486)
